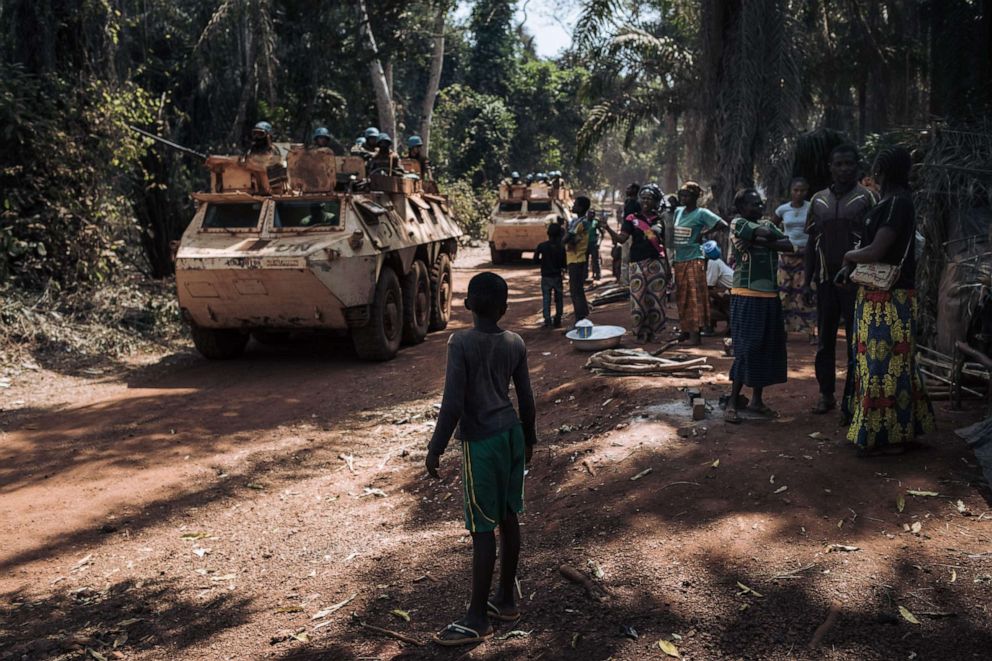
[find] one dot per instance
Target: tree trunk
(434, 80)
(383, 97)
(671, 179)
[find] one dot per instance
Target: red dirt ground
(176, 508)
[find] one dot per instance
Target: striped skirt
(648, 286)
(692, 295)
(890, 404)
(798, 315)
(759, 337)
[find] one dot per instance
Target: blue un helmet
(711, 249)
(264, 127)
(360, 141)
(384, 139)
(321, 132)
(371, 132)
(414, 141)
(515, 174)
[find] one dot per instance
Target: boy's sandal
(731, 416)
(460, 635)
(494, 612)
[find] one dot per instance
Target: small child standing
(550, 255)
(496, 445)
(756, 323)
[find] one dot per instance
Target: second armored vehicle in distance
(520, 219)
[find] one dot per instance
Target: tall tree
(492, 63)
(380, 81)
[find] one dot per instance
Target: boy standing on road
(496, 444)
(551, 256)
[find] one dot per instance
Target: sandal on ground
(459, 634)
(496, 613)
(731, 416)
(825, 404)
(764, 411)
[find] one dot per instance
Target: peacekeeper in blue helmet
(262, 149)
(415, 150)
(372, 139)
(322, 139)
(358, 149)
(385, 161)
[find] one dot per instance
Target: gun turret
(169, 143)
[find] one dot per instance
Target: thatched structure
(954, 212)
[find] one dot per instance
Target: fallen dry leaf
(195, 535)
(842, 547)
(954, 576)
(914, 492)
(715, 464)
(906, 615)
(916, 527)
(746, 590)
(402, 614)
(781, 489)
(900, 503)
(669, 649)
(331, 609)
(515, 633)
(597, 571)
(641, 474)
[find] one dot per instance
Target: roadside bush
(66, 160)
(471, 207)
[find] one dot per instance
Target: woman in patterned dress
(649, 271)
(890, 403)
(791, 217)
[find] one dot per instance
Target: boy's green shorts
(493, 478)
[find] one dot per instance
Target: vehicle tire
(380, 338)
(271, 338)
(416, 303)
(497, 256)
(441, 291)
(218, 343)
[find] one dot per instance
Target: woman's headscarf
(653, 191)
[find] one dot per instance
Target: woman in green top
(756, 322)
(692, 224)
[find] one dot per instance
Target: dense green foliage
(661, 90)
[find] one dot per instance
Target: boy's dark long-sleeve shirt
(476, 388)
(551, 256)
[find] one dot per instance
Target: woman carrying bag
(890, 403)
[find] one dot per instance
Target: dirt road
(264, 508)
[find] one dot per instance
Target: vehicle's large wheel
(416, 303)
(380, 338)
(497, 256)
(441, 290)
(218, 343)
